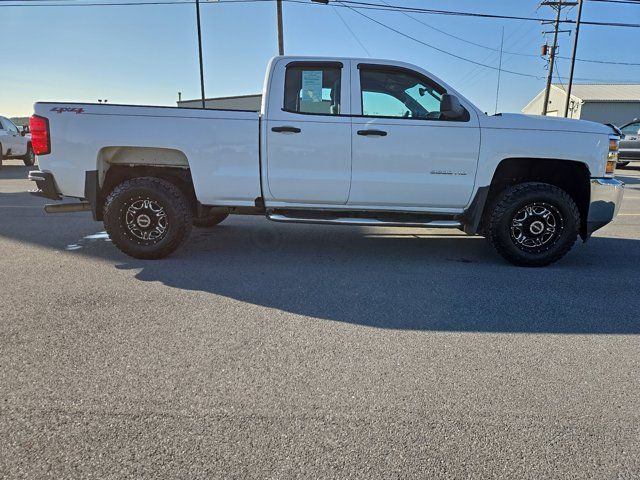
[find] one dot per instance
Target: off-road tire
(512, 204)
(29, 158)
(142, 197)
(210, 220)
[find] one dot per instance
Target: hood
(538, 122)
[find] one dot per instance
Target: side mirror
(450, 107)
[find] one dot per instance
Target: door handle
(286, 129)
(377, 133)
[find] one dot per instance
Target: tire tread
(512, 195)
(179, 202)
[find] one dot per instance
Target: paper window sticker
(312, 85)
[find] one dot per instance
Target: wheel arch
(116, 164)
(570, 175)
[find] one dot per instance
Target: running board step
(368, 222)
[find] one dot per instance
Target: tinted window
(631, 129)
(391, 93)
(313, 89)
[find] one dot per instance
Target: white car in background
(15, 143)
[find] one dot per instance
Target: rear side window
(313, 89)
(2, 127)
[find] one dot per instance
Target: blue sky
(146, 54)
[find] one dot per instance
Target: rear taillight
(40, 141)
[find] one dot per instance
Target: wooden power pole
(558, 5)
(573, 57)
(200, 53)
(280, 33)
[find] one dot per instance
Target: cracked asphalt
(262, 350)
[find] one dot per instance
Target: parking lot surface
(263, 350)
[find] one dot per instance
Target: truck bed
(220, 147)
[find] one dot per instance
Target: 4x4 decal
(77, 110)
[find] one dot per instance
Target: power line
(478, 73)
(81, 3)
(506, 52)
(628, 2)
(350, 30)
(400, 8)
(353, 4)
(436, 48)
(360, 5)
(459, 57)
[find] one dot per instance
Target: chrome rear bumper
(606, 197)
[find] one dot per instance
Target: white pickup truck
(337, 141)
(15, 143)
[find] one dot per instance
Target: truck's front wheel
(147, 217)
(533, 224)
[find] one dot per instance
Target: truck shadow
(400, 281)
(385, 278)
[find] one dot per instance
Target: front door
(405, 153)
(10, 137)
(308, 137)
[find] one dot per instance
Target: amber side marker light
(612, 157)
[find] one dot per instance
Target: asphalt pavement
(262, 350)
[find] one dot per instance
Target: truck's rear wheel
(147, 217)
(209, 221)
(533, 224)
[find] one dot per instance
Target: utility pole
(200, 51)
(280, 33)
(499, 71)
(558, 5)
(552, 55)
(573, 57)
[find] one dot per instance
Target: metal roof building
(604, 103)
(237, 102)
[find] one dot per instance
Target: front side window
(10, 126)
(312, 89)
(631, 129)
(396, 93)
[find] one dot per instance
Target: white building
(603, 103)
(238, 102)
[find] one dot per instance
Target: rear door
(405, 154)
(308, 134)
